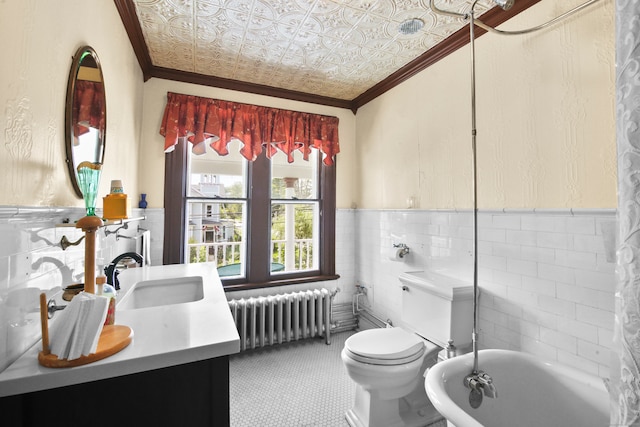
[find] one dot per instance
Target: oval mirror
(85, 113)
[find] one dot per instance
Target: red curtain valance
(200, 119)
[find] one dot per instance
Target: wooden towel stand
(112, 339)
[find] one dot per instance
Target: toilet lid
(384, 344)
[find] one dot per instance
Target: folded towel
(62, 329)
(77, 332)
(94, 325)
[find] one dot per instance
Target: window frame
(258, 274)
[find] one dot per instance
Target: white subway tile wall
(547, 278)
(546, 285)
(32, 261)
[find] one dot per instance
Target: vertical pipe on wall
(474, 185)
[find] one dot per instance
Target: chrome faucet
(112, 273)
(404, 249)
(480, 384)
(487, 385)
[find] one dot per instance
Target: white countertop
(162, 336)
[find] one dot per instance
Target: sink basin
(155, 293)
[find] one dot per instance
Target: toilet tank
(438, 307)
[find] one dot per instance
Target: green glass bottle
(88, 180)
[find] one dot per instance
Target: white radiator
(275, 319)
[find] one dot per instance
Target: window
(216, 207)
(265, 222)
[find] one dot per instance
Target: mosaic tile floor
(300, 384)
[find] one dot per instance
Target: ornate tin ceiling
(337, 49)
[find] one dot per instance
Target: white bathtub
(531, 393)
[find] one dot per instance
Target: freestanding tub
(531, 393)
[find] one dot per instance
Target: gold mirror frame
(85, 113)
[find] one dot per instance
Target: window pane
(294, 237)
(212, 175)
(216, 234)
(297, 180)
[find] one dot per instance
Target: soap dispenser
(107, 291)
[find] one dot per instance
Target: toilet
(389, 364)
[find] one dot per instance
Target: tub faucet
(488, 388)
(481, 383)
(112, 273)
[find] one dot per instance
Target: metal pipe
(474, 184)
(387, 323)
(356, 310)
(538, 27)
(433, 7)
(484, 26)
(332, 295)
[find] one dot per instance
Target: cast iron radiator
(275, 319)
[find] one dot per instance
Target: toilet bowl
(388, 366)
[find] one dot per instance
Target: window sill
(274, 283)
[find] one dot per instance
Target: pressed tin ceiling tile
(331, 48)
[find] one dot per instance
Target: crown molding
(460, 38)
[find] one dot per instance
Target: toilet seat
(386, 346)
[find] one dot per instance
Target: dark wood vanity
(193, 394)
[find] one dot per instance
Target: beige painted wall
(37, 41)
(545, 116)
(545, 122)
(152, 143)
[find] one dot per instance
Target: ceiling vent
(411, 26)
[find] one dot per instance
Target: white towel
(62, 329)
(143, 246)
(77, 331)
(94, 324)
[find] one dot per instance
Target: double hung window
(246, 187)
(262, 222)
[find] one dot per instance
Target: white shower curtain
(625, 369)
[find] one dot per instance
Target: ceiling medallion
(411, 26)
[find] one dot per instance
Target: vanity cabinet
(175, 371)
(193, 394)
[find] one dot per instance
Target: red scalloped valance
(201, 119)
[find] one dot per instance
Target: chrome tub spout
(481, 384)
